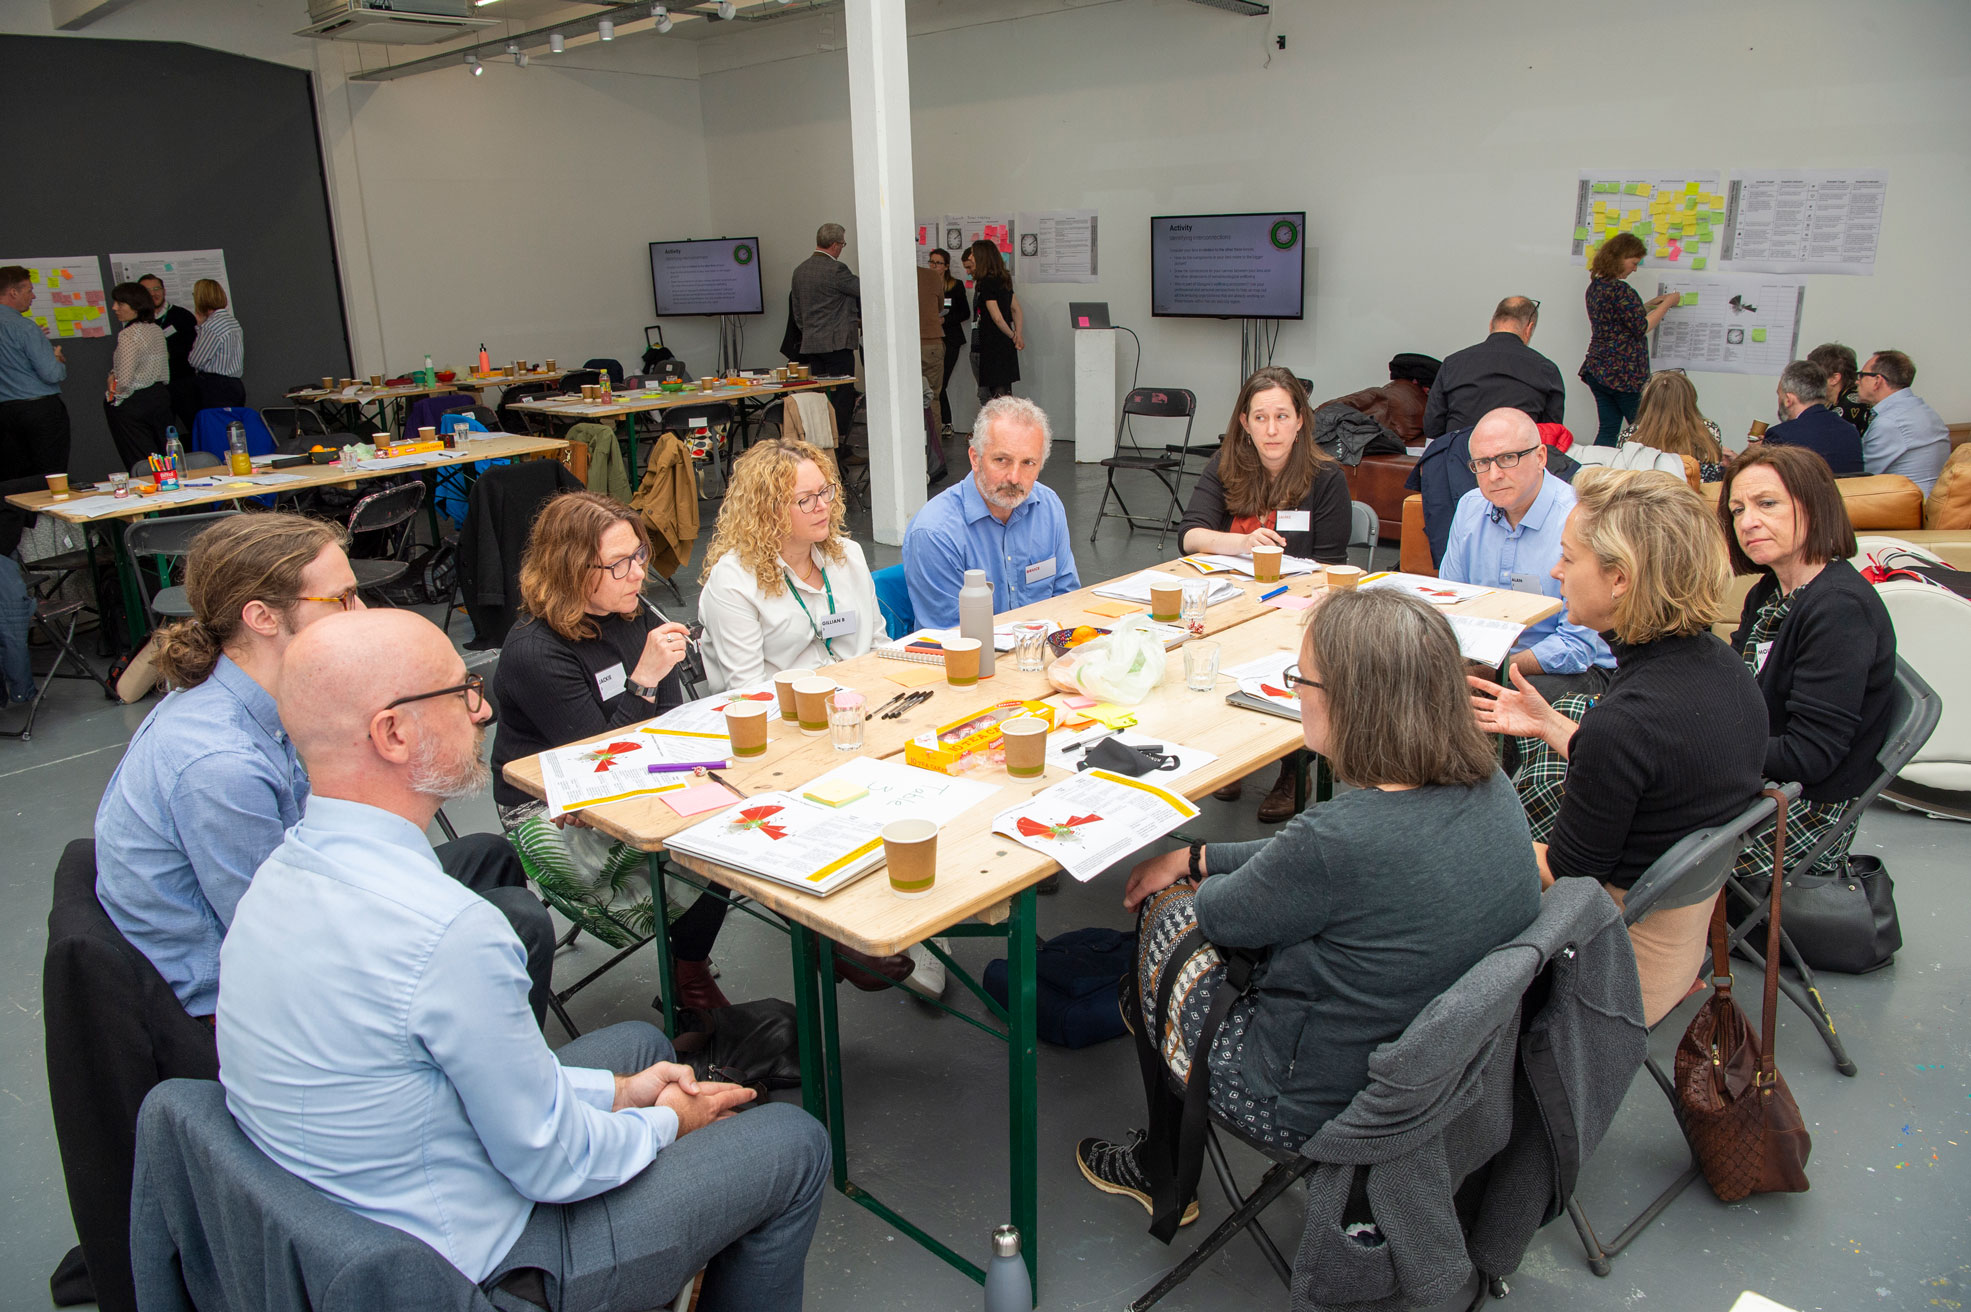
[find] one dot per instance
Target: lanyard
(827, 644)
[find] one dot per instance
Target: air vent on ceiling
(392, 22)
(1250, 8)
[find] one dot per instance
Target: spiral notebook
(923, 645)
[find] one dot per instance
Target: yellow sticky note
(1690, 188)
(1113, 609)
(839, 792)
(1111, 715)
(1758, 334)
(916, 676)
(1662, 252)
(1642, 189)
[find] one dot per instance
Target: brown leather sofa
(1378, 481)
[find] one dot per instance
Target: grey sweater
(1373, 903)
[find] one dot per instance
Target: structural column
(879, 130)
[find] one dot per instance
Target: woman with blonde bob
(1678, 741)
(785, 586)
(1667, 418)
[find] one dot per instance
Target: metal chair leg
(1271, 1186)
(1267, 1249)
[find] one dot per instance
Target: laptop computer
(1089, 314)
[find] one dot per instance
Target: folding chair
(672, 370)
(388, 515)
(46, 617)
(1691, 873)
(295, 427)
(893, 600)
(168, 540)
(1166, 467)
(1914, 710)
(717, 419)
(1364, 529)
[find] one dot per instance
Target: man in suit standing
(180, 331)
(827, 311)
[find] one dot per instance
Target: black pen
(886, 706)
(727, 783)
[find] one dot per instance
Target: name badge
(842, 624)
(1040, 571)
(1529, 583)
(947, 302)
(1292, 521)
(611, 682)
(170, 330)
(1759, 654)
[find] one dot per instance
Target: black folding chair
(385, 519)
(56, 622)
(1914, 710)
(1166, 464)
(166, 541)
(672, 370)
(295, 427)
(1691, 873)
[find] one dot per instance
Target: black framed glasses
(1866, 373)
(1535, 304)
(1504, 460)
(345, 599)
(1291, 675)
(808, 502)
(473, 690)
(620, 569)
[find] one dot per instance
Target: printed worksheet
(895, 791)
(1483, 640)
(1209, 563)
(706, 716)
(1438, 592)
(783, 837)
(1090, 822)
(1137, 587)
(590, 774)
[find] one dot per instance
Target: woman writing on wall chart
(1001, 334)
(1617, 364)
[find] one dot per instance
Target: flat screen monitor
(1228, 266)
(720, 276)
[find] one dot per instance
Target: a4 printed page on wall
(1769, 221)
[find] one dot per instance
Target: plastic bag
(1121, 667)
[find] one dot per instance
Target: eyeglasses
(1535, 304)
(1868, 373)
(809, 502)
(1504, 460)
(620, 569)
(473, 690)
(1291, 675)
(345, 599)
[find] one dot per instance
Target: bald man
(387, 1054)
(1506, 534)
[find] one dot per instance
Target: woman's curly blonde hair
(759, 511)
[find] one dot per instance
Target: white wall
(1435, 145)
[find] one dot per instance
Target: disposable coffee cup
(961, 662)
(549, 368)
(1025, 737)
(1266, 564)
(911, 849)
(1343, 576)
(58, 482)
(429, 433)
(1167, 601)
(1758, 428)
(811, 704)
(746, 724)
(328, 383)
(376, 380)
(783, 688)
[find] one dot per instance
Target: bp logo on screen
(1285, 235)
(743, 254)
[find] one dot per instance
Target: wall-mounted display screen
(1228, 266)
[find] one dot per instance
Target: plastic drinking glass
(1201, 666)
(1031, 646)
(1197, 600)
(845, 712)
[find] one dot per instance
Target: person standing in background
(219, 356)
(1619, 320)
(827, 308)
(1001, 334)
(180, 329)
(34, 435)
(957, 309)
(136, 398)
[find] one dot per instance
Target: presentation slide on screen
(706, 277)
(1230, 266)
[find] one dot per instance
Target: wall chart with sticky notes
(68, 295)
(1729, 324)
(1680, 217)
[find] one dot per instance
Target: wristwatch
(1197, 865)
(646, 691)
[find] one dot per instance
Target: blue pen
(1268, 596)
(684, 767)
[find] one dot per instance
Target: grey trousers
(738, 1198)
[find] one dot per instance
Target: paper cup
(1025, 737)
(783, 688)
(429, 433)
(1758, 429)
(328, 384)
(1343, 576)
(746, 724)
(376, 380)
(811, 704)
(961, 662)
(911, 849)
(1167, 601)
(58, 482)
(550, 367)
(1266, 564)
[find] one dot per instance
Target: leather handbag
(1744, 1127)
(1846, 922)
(756, 1044)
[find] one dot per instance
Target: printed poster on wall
(961, 230)
(1804, 220)
(929, 233)
(1680, 216)
(69, 300)
(1729, 325)
(179, 269)
(1058, 245)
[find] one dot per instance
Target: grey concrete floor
(1885, 1225)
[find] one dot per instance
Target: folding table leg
(1023, 1074)
(667, 976)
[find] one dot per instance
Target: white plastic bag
(1121, 667)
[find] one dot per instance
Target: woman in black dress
(1001, 334)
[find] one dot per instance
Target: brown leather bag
(1741, 1120)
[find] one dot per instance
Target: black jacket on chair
(114, 1030)
(498, 516)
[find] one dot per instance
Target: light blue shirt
(203, 793)
(28, 367)
(1906, 437)
(375, 1040)
(1484, 549)
(956, 531)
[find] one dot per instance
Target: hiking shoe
(1117, 1168)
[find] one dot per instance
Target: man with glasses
(1502, 370)
(1905, 436)
(211, 780)
(1506, 534)
(386, 1056)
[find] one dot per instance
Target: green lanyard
(827, 644)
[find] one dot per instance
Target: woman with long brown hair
(1269, 485)
(1001, 334)
(1667, 418)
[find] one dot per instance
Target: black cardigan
(548, 696)
(1827, 682)
(1676, 744)
(1327, 505)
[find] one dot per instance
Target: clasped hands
(697, 1103)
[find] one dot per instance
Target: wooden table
(985, 884)
(383, 398)
(628, 405)
(477, 383)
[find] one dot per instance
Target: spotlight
(555, 44)
(520, 59)
(606, 30)
(727, 10)
(512, 48)
(472, 62)
(664, 24)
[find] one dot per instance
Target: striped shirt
(140, 359)
(219, 349)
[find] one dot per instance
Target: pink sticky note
(1081, 321)
(1288, 601)
(698, 798)
(95, 298)
(1078, 703)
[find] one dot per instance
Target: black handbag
(756, 1044)
(1845, 923)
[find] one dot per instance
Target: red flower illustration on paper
(604, 757)
(1061, 833)
(750, 697)
(1271, 691)
(756, 817)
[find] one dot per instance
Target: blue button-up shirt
(208, 785)
(956, 531)
(28, 367)
(1484, 549)
(1906, 437)
(374, 1039)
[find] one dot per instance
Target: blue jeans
(1612, 407)
(738, 1198)
(16, 616)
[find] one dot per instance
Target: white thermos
(975, 616)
